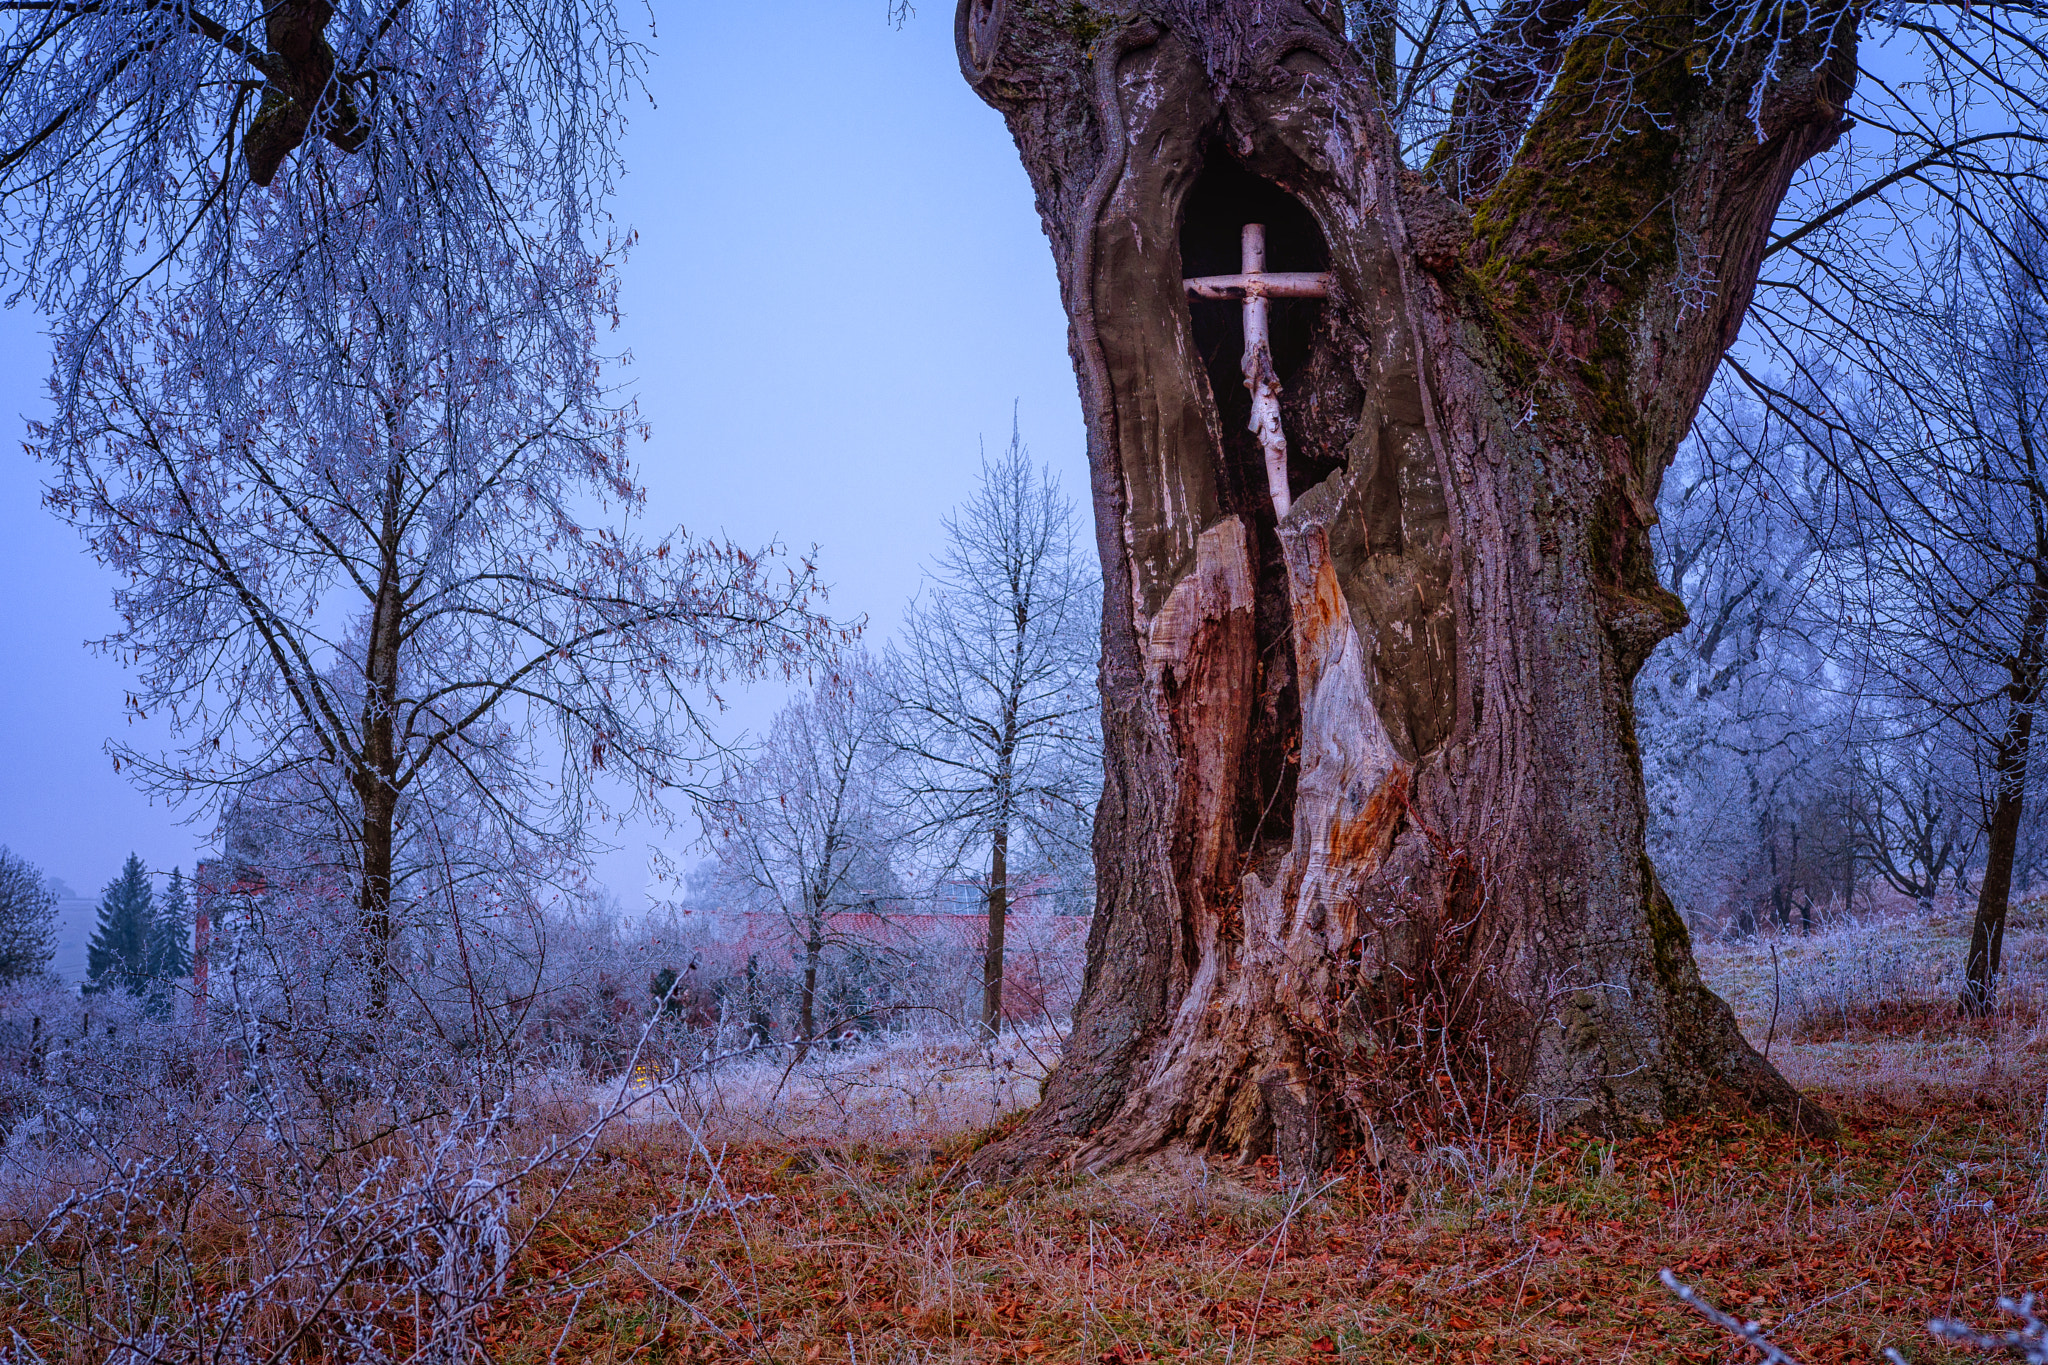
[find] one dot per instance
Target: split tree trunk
(1370, 847)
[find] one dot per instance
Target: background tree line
(1859, 531)
(941, 774)
(963, 757)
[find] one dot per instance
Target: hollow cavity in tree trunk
(1370, 849)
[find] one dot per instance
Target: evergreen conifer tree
(165, 957)
(115, 957)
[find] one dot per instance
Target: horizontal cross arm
(1299, 284)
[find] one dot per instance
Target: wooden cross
(1254, 286)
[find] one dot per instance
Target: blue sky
(840, 288)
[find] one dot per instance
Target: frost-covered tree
(1918, 826)
(1941, 560)
(117, 955)
(27, 911)
(374, 510)
(326, 284)
(992, 683)
(1741, 724)
(804, 828)
(136, 140)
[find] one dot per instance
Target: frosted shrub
(98, 1077)
(31, 1017)
(232, 1246)
(2028, 1342)
(915, 1084)
(1859, 973)
(295, 1172)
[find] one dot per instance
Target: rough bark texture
(1987, 930)
(299, 85)
(998, 916)
(807, 994)
(1370, 847)
(2008, 798)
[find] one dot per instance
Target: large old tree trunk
(1370, 848)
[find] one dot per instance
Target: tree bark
(807, 993)
(374, 904)
(376, 764)
(2008, 804)
(1987, 930)
(998, 913)
(1370, 848)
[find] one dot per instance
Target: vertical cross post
(1254, 286)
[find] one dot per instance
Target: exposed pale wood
(1273, 284)
(1254, 286)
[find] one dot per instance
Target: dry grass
(1932, 1203)
(904, 1088)
(1866, 1010)
(1498, 1251)
(838, 1230)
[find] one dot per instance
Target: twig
(2029, 1343)
(1775, 997)
(1751, 1332)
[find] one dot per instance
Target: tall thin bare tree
(992, 682)
(803, 828)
